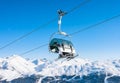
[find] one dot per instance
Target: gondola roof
(60, 41)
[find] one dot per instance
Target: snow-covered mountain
(79, 66)
(16, 68)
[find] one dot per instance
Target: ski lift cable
(42, 26)
(34, 49)
(81, 30)
(78, 6)
(27, 34)
(94, 25)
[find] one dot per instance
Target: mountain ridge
(14, 67)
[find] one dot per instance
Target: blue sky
(18, 17)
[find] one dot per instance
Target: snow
(40, 64)
(15, 66)
(58, 68)
(79, 67)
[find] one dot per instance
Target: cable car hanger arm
(61, 14)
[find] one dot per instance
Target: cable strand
(29, 33)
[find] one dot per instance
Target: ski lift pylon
(61, 46)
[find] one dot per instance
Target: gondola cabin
(63, 47)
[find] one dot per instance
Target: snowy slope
(81, 67)
(41, 64)
(15, 67)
